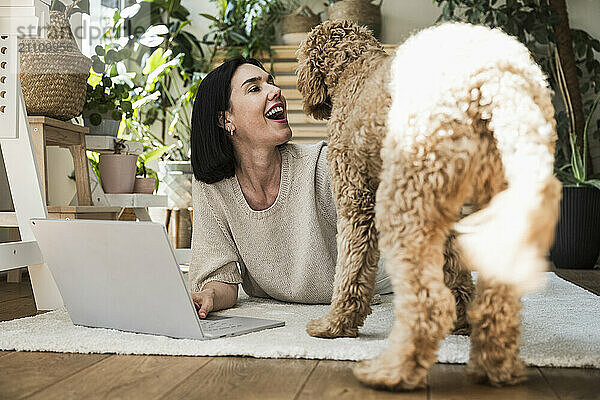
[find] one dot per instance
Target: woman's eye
(254, 89)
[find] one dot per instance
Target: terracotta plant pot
(117, 172)
(144, 185)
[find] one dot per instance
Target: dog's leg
(488, 179)
(357, 254)
(417, 201)
(508, 239)
(458, 279)
(495, 320)
(424, 309)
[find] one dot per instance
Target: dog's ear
(311, 82)
(324, 56)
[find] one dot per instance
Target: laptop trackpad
(219, 326)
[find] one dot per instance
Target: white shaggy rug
(561, 328)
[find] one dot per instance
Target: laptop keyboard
(216, 324)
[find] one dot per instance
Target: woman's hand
(215, 296)
(204, 301)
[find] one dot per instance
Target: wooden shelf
(137, 200)
(106, 144)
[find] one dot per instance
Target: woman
(260, 203)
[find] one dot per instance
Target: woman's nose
(275, 93)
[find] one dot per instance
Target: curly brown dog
(459, 113)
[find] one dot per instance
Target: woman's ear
(224, 120)
(221, 119)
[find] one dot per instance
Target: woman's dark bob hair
(212, 152)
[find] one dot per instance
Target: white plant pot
(176, 182)
(108, 126)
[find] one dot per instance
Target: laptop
(124, 275)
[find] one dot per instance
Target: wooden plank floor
(42, 375)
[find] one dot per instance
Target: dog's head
(322, 57)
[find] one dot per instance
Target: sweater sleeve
(323, 189)
(214, 256)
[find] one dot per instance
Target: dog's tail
(508, 240)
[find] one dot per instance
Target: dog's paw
(501, 374)
(327, 327)
(386, 372)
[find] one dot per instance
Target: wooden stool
(176, 217)
(84, 212)
(47, 131)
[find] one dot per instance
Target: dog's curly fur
(459, 113)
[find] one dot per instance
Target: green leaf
(238, 37)
(593, 182)
(94, 79)
(116, 115)
(210, 17)
(110, 57)
(146, 99)
(95, 119)
(99, 50)
(156, 153)
(57, 5)
(152, 62)
(113, 71)
(84, 6)
(565, 177)
(97, 65)
(126, 106)
(124, 53)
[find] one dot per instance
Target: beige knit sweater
(287, 251)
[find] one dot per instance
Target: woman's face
(258, 110)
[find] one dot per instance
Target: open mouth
(276, 113)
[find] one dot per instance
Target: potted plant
(143, 183)
(363, 12)
(577, 241)
(243, 27)
(296, 21)
(568, 58)
(117, 170)
(169, 64)
(146, 180)
(108, 97)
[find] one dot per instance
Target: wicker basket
(54, 72)
(359, 11)
(297, 22)
(295, 26)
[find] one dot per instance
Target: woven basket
(54, 72)
(359, 11)
(296, 22)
